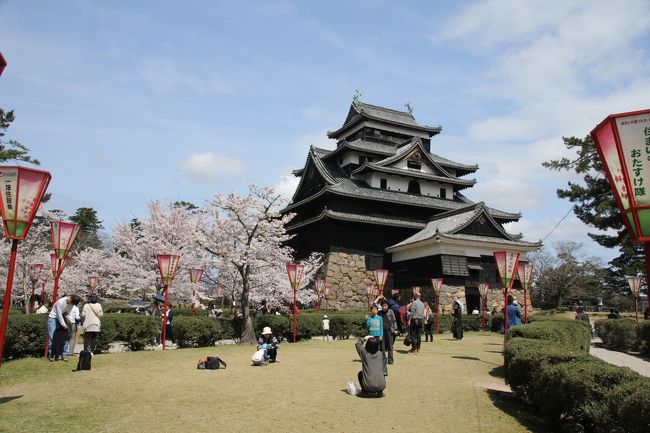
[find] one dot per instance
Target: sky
(124, 102)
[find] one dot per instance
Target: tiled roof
(366, 219)
(369, 166)
(340, 183)
(449, 224)
(361, 110)
(453, 164)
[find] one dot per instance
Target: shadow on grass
(494, 351)
(402, 351)
(499, 372)
(473, 358)
(506, 402)
(8, 399)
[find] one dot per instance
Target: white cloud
(286, 186)
(208, 167)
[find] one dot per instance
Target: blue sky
(126, 102)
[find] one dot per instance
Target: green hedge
(135, 330)
(548, 365)
(25, 335)
(624, 334)
(342, 325)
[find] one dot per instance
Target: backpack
(258, 357)
(85, 358)
(210, 363)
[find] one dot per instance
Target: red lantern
(63, 237)
(525, 273)
(436, 283)
(380, 277)
(506, 265)
(167, 265)
(483, 290)
(319, 284)
(635, 289)
(295, 270)
(93, 281)
(21, 194)
(195, 274)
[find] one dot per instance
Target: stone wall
(347, 276)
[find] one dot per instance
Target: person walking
(514, 315)
(416, 315)
(428, 322)
(55, 319)
(91, 315)
(457, 321)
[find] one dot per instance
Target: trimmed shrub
(196, 331)
(25, 335)
(618, 334)
(548, 365)
(344, 325)
(135, 330)
(495, 322)
(643, 337)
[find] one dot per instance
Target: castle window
(415, 165)
(443, 193)
(383, 183)
(414, 187)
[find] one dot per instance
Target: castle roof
(450, 226)
(360, 111)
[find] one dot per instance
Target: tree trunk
(248, 333)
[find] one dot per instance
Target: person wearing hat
(269, 344)
(326, 328)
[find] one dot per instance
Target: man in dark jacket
(371, 377)
(390, 329)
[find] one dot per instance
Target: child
(326, 328)
(269, 344)
(374, 323)
(371, 377)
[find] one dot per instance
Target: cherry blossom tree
(248, 234)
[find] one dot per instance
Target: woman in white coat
(91, 316)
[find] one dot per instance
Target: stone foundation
(347, 276)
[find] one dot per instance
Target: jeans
(51, 327)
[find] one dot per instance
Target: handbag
(407, 340)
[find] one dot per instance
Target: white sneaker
(352, 388)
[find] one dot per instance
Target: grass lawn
(451, 387)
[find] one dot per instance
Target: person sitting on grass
(371, 377)
(269, 344)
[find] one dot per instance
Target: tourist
(389, 324)
(374, 323)
(59, 338)
(43, 309)
(612, 314)
(269, 344)
(582, 315)
(91, 315)
(170, 324)
(73, 319)
(457, 321)
(395, 307)
(326, 328)
(63, 305)
(371, 377)
(416, 320)
(262, 309)
(428, 322)
(514, 315)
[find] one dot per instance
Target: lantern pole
(436, 283)
(7, 301)
(506, 262)
(294, 271)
